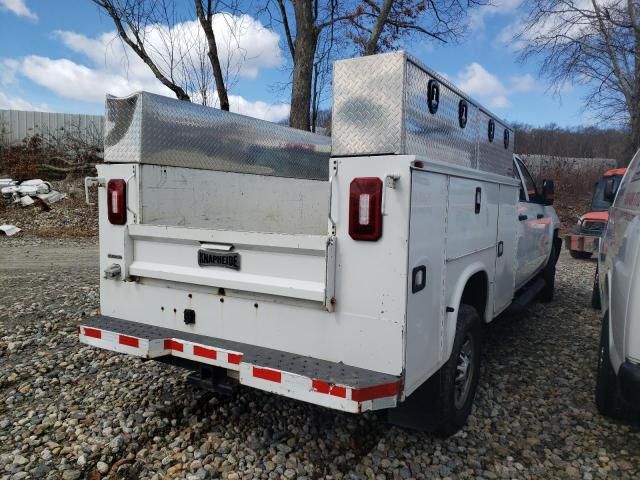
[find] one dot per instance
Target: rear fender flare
(616, 356)
(451, 318)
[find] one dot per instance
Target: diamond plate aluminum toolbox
(153, 129)
(381, 106)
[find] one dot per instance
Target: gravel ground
(71, 411)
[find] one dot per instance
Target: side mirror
(548, 192)
(610, 189)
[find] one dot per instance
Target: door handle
(419, 278)
(539, 216)
(522, 217)
(500, 248)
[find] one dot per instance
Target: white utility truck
(618, 287)
(353, 272)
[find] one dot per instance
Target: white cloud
(71, 80)
(562, 22)
(19, 8)
(19, 103)
(509, 36)
(479, 15)
(8, 70)
(486, 87)
(523, 83)
(245, 48)
(476, 81)
(266, 111)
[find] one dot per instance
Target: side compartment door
(426, 277)
(505, 276)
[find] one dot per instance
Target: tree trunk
(205, 19)
(314, 99)
(372, 44)
(305, 50)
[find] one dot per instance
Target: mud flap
(419, 411)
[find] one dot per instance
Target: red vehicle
(582, 242)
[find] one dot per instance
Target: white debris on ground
(19, 197)
(9, 230)
(30, 192)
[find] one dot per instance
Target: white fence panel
(16, 125)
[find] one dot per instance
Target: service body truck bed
(338, 278)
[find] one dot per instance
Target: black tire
(548, 274)
(580, 255)
(596, 303)
(608, 400)
(456, 389)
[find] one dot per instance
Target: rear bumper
(581, 243)
(329, 384)
(629, 380)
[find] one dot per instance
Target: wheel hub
(464, 373)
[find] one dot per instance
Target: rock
(20, 460)
(102, 467)
(71, 474)
(171, 471)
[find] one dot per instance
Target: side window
(529, 184)
(516, 175)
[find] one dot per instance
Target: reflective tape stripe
(234, 358)
(92, 332)
(129, 341)
(377, 391)
(171, 344)
(267, 374)
(205, 352)
(325, 387)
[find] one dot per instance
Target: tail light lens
(365, 208)
(117, 201)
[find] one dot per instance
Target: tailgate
(282, 265)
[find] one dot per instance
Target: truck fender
(556, 241)
(451, 317)
(615, 356)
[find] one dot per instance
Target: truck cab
(582, 242)
(538, 225)
(618, 286)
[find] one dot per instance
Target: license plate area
(208, 258)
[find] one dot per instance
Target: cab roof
(614, 171)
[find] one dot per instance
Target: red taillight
(117, 202)
(365, 208)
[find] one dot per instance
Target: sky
(64, 56)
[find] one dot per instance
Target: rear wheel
(580, 255)
(608, 398)
(549, 276)
(457, 380)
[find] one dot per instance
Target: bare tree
(180, 61)
(590, 42)
(319, 31)
(132, 19)
(380, 26)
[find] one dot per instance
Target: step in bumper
(329, 384)
(581, 243)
